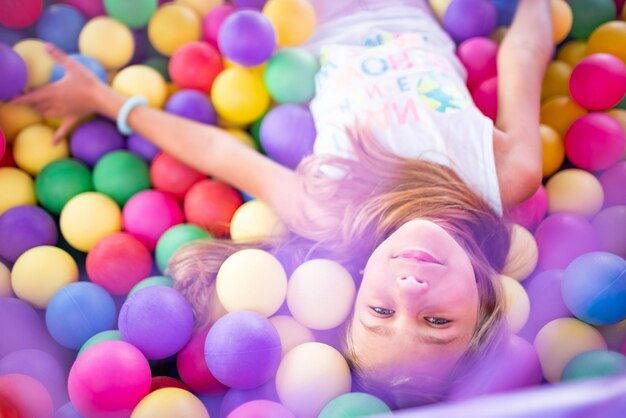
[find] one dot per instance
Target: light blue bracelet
(127, 107)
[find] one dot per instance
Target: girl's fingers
(66, 125)
(31, 98)
(60, 57)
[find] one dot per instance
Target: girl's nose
(411, 287)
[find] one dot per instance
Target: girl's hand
(72, 97)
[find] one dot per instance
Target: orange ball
(294, 20)
(609, 38)
(572, 52)
(556, 80)
(553, 150)
(560, 112)
(562, 19)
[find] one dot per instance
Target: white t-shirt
(395, 70)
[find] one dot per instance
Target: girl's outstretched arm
(522, 61)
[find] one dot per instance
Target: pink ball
(213, 21)
(3, 144)
(148, 214)
(24, 396)
(211, 204)
(89, 8)
(261, 409)
(19, 14)
(109, 379)
(478, 55)
(195, 65)
(613, 181)
(485, 97)
(167, 174)
(532, 211)
(193, 369)
(598, 81)
(118, 262)
(595, 141)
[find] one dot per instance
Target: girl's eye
(437, 321)
(382, 311)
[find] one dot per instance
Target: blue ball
(61, 24)
(506, 11)
(594, 288)
(89, 63)
(79, 311)
(11, 36)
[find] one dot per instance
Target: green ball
(121, 174)
(255, 131)
(152, 281)
(60, 181)
(290, 76)
(622, 104)
(174, 238)
(161, 64)
(594, 364)
(589, 14)
(354, 405)
(110, 335)
(134, 13)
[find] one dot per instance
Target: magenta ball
(212, 23)
(485, 96)
(141, 147)
(193, 369)
(148, 214)
(89, 8)
(613, 181)
(562, 237)
(237, 397)
(532, 211)
(13, 75)
(94, 139)
(3, 144)
(19, 14)
(464, 19)
(247, 37)
(109, 379)
(478, 55)
(24, 227)
(261, 409)
(158, 320)
(243, 350)
(192, 104)
(595, 141)
(598, 81)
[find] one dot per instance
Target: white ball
(320, 294)
(5, 281)
(291, 332)
(523, 254)
(517, 303)
(251, 280)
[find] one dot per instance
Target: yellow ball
(560, 112)
(89, 217)
(255, 221)
(108, 41)
(16, 188)
(172, 26)
(553, 150)
(38, 63)
(439, 7)
(517, 303)
(562, 19)
(41, 272)
(561, 340)
(291, 332)
(239, 95)
(609, 38)
(251, 280)
(141, 80)
(168, 403)
(572, 52)
(574, 191)
(5, 282)
(310, 376)
(556, 80)
(243, 136)
(15, 118)
(202, 7)
(499, 33)
(33, 148)
(522, 257)
(320, 294)
(294, 20)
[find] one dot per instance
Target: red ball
(193, 369)
(118, 262)
(7, 159)
(598, 81)
(160, 382)
(595, 141)
(532, 211)
(195, 65)
(22, 396)
(19, 14)
(211, 204)
(170, 175)
(485, 96)
(3, 144)
(212, 23)
(479, 56)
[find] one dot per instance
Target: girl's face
(417, 306)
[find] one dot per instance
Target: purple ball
(141, 39)
(94, 139)
(464, 19)
(287, 134)
(242, 350)
(20, 325)
(24, 227)
(562, 237)
(11, 36)
(236, 397)
(612, 181)
(67, 411)
(13, 75)
(192, 104)
(250, 4)
(261, 409)
(143, 148)
(157, 320)
(247, 37)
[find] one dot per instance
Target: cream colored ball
(561, 340)
(320, 294)
(310, 376)
(170, 402)
(141, 80)
(202, 7)
(291, 332)
(108, 41)
(575, 191)
(255, 221)
(523, 254)
(38, 63)
(5, 282)
(33, 148)
(517, 303)
(251, 280)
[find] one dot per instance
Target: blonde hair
(375, 194)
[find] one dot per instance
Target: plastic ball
(608, 38)
(532, 211)
(90, 42)
(169, 175)
(160, 65)
(556, 79)
(466, 19)
(109, 335)
(89, 8)
(251, 280)
(592, 288)
(38, 62)
(195, 66)
(193, 369)
(24, 396)
(594, 364)
(244, 137)
(174, 238)
(237, 397)
(17, 188)
(608, 225)
(61, 25)
(242, 350)
(261, 409)
(354, 405)
(59, 181)
(202, 7)
(517, 303)
(5, 282)
(589, 14)
(141, 147)
(158, 320)
(41, 272)
(595, 142)
(560, 112)
(612, 181)
(522, 257)
(89, 217)
(293, 20)
(485, 95)
(239, 95)
(24, 227)
(120, 175)
(250, 4)
(572, 52)
(211, 205)
(109, 379)
(562, 19)
(290, 76)
(172, 26)
(13, 75)
(170, 402)
(291, 332)
(94, 139)
(212, 22)
(141, 80)
(192, 104)
(58, 72)
(152, 281)
(134, 14)
(148, 214)
(478, 56)
(598, 81)
(33, 148)
(553, 150)
(255, 221)
(14, 119)
(3, 144)
(562, 237)
(19, 15)
(574, 191)
(310, 376)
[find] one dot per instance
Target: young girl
(406, 188)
